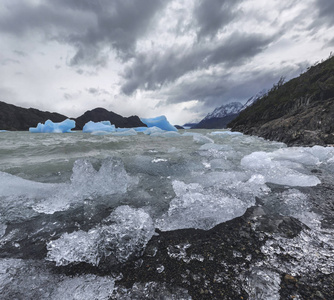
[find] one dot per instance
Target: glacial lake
(75, 198)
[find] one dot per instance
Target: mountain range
(226, 113)
(17, 118)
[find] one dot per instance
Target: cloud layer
(156, 53)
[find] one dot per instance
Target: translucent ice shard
(84, 287)
(123, 234)
(276, 171)
(87, 182)
(308, 252)
(194, 207)
(262, 284)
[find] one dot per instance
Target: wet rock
(210, 264)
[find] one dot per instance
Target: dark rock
(100, 114)
(17, 118)
(178, 127)
(208, 264)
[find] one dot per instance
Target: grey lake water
(77, 198)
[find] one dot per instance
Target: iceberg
(105, 126)
(50, 126)
(160, 122)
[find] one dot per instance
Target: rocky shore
(260, 255)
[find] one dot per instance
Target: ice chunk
(310, 251)
(98, 126)
(279, 172)
(324, 154)
(31, 279)
(151, 130)
(140, 129)
(160, 122)
(84, 287)
(262, 284)
(87, 182)
(194, 207)
(123, 234)
(18, 195)
(49, 126)
(296, 155)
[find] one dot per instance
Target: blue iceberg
(49, 126)
(160, 122)
(98, 126)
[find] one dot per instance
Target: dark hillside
(100, 114)
(298, 112)
(17, 118)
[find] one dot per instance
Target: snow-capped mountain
(253, 99)
(221, 116)
(225, 110)
(226, 113)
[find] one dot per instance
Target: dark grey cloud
(325, 11)
(97, 91)
(20, 53)
(150, 71)
(213, 15)
(331, 43)
(9, 61)
(215, 89)
(89, 26)
(93, 91)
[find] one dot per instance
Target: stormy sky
(180, 58)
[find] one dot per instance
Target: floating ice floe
(160, 122)
(276, 169)
(103, 126)
(51, 127)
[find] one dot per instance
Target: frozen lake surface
(76, 198)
